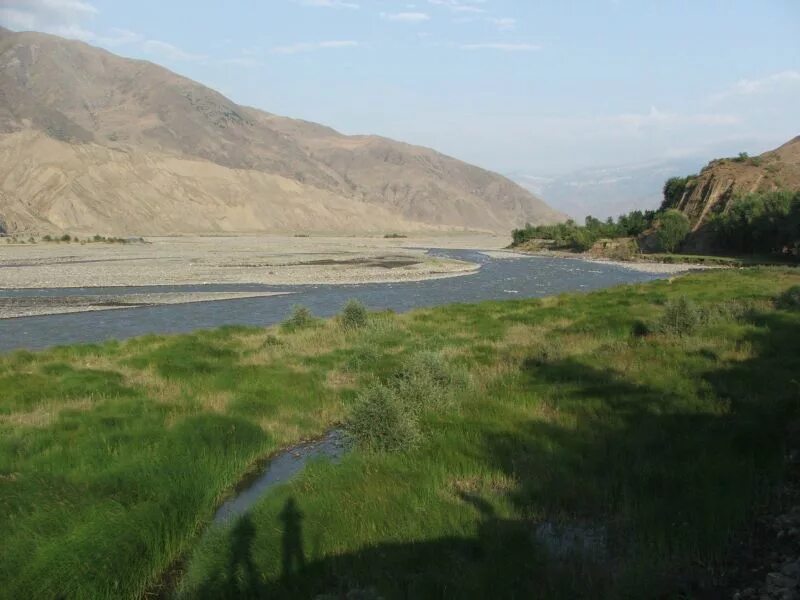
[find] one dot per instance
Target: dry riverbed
(234, 260)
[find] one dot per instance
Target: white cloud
(68, 18)
(763, 85)
(169, 51)
(239, 61)
(503, 23)
(406, 17)
(312, 46)
(461, 6)
(329, 4)
(58, 17)
(502, 46)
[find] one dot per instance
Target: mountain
(93, 142)
(607, 191)
(722, 180)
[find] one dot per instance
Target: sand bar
(29, 306)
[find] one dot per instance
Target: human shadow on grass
(625, 498)
(242, 577)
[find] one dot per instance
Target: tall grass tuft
(427, 381)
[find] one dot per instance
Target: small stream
(497, 279)
(279, 470)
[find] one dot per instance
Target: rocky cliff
(722, 180)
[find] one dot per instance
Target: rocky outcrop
(721, 181)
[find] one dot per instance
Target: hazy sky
(513, 85)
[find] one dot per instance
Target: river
(497, 279)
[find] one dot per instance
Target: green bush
(386, 416)
(354, 315)
(680, 317)
(672, 229)
(300, 318)
(381, 421)
(790, 299)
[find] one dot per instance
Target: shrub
(680, 317)
(386, 416)
(673, 227)
(354, 315)
(380, 421)
(300, 318)
(790, 299)
(743, 157)
(66, 238)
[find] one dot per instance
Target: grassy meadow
(606, 445)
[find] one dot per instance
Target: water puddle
(564, 541)
(280, 469)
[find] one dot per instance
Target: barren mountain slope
(127, 141)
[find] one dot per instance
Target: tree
(674, 189)
(672, 229)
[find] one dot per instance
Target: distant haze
(608, 191)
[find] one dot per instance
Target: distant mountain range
(92, 142)
(608, 191)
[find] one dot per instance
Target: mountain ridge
(129, 120)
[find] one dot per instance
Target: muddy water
(497, 279)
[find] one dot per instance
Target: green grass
(579, 411)
(748, 260)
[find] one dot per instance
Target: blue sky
(512, 85)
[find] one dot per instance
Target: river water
(497, 279)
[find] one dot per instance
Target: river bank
(641, 265)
